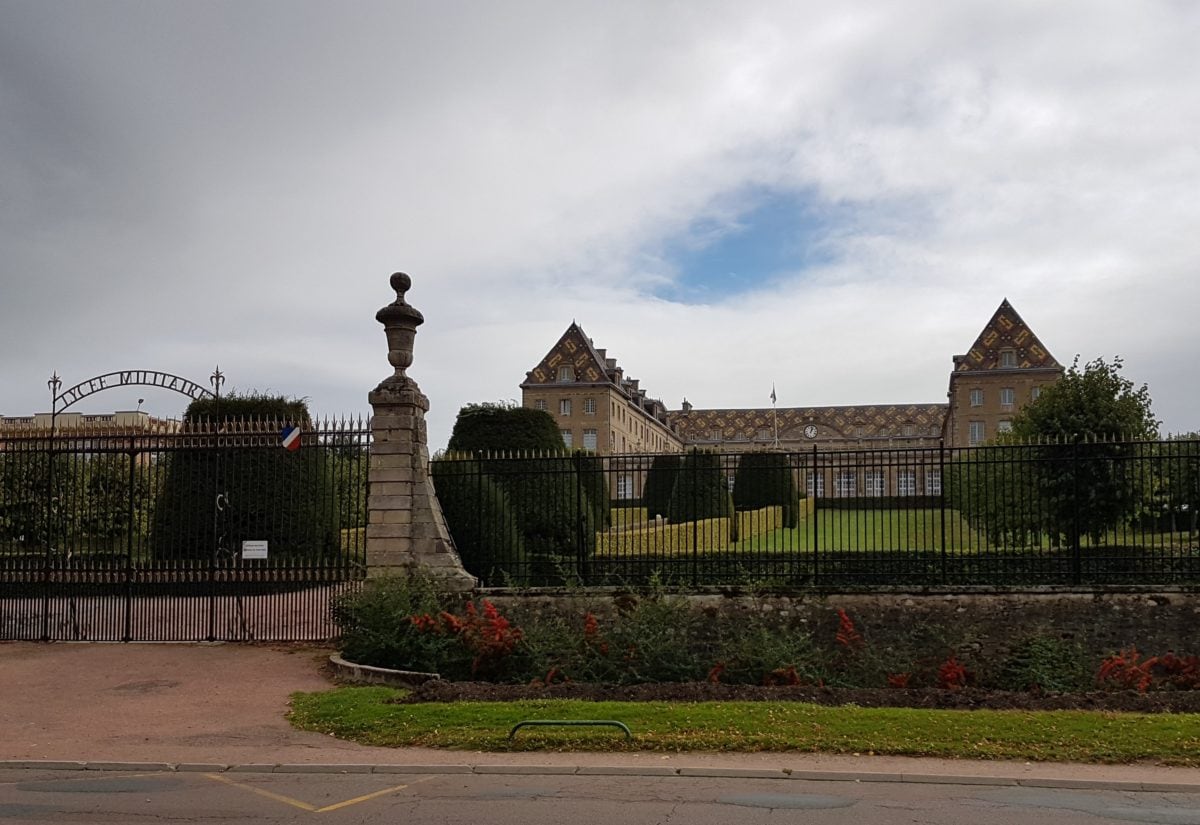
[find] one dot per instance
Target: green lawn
(867, 530)
(365, 715)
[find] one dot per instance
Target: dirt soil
(965, 699)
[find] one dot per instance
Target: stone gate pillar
(405, 526)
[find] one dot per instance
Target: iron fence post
(580, 521)
(942, 500)
(127, 632)
(816, 521)
(1076, 553)
(53, 384)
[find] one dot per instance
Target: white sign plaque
(254, 549)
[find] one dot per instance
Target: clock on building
(810, 431)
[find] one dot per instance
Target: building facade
(598, 408)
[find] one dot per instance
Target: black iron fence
(203, 532)
(1032, 514)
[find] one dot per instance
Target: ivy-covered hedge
(287, 498)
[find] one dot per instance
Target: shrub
(1043, 663)
(764, 480)
(481, 522)
(757, 649)
(701, 492)
(376, 626)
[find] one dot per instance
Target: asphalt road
(36, 796)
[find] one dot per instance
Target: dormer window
(566, 374)
(1008, 359)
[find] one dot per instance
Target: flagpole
(774, 414)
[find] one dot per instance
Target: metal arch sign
(127, 378)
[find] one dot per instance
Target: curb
(602, 770)
(369, 675)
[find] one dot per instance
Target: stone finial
(400, 322)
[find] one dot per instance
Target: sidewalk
(223, 706)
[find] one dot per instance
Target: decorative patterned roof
(574, 348)
(1006, 331)
(872, 421)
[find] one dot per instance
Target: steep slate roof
(876, 421)
(1006, 330)
(574, 348)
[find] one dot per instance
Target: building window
(1034, 393)
(1004, 427)
(714, 435)
(875, 485)
(589, 406)
(566, 374)
(815, 485)
(764, 435)
(976, 398)
(906, 482)
(540, 404)
(568, 438)
(1008, 359)
(908, 430)
(845, 484)
(625, 486)
(589, 439)
(1008, 397)
(975, 433)
(564, 406)
(933, 482)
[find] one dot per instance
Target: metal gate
(182, 533)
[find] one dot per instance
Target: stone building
(599, 408)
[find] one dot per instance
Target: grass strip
(365, 715)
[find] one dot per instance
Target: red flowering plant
(479, 641)
(953, 674)
(1127, 670)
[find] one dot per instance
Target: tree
(1086, 474)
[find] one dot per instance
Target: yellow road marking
(364, 798)
(286, 800)
(304, 806)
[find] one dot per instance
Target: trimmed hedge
(481, 521)
(656, 540)
(765, 480)
(482, 428)
(700, 491)
(590, 468)
(660, 481)
(287, 498)
(880, 503)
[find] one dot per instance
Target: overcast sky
(830, 197)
